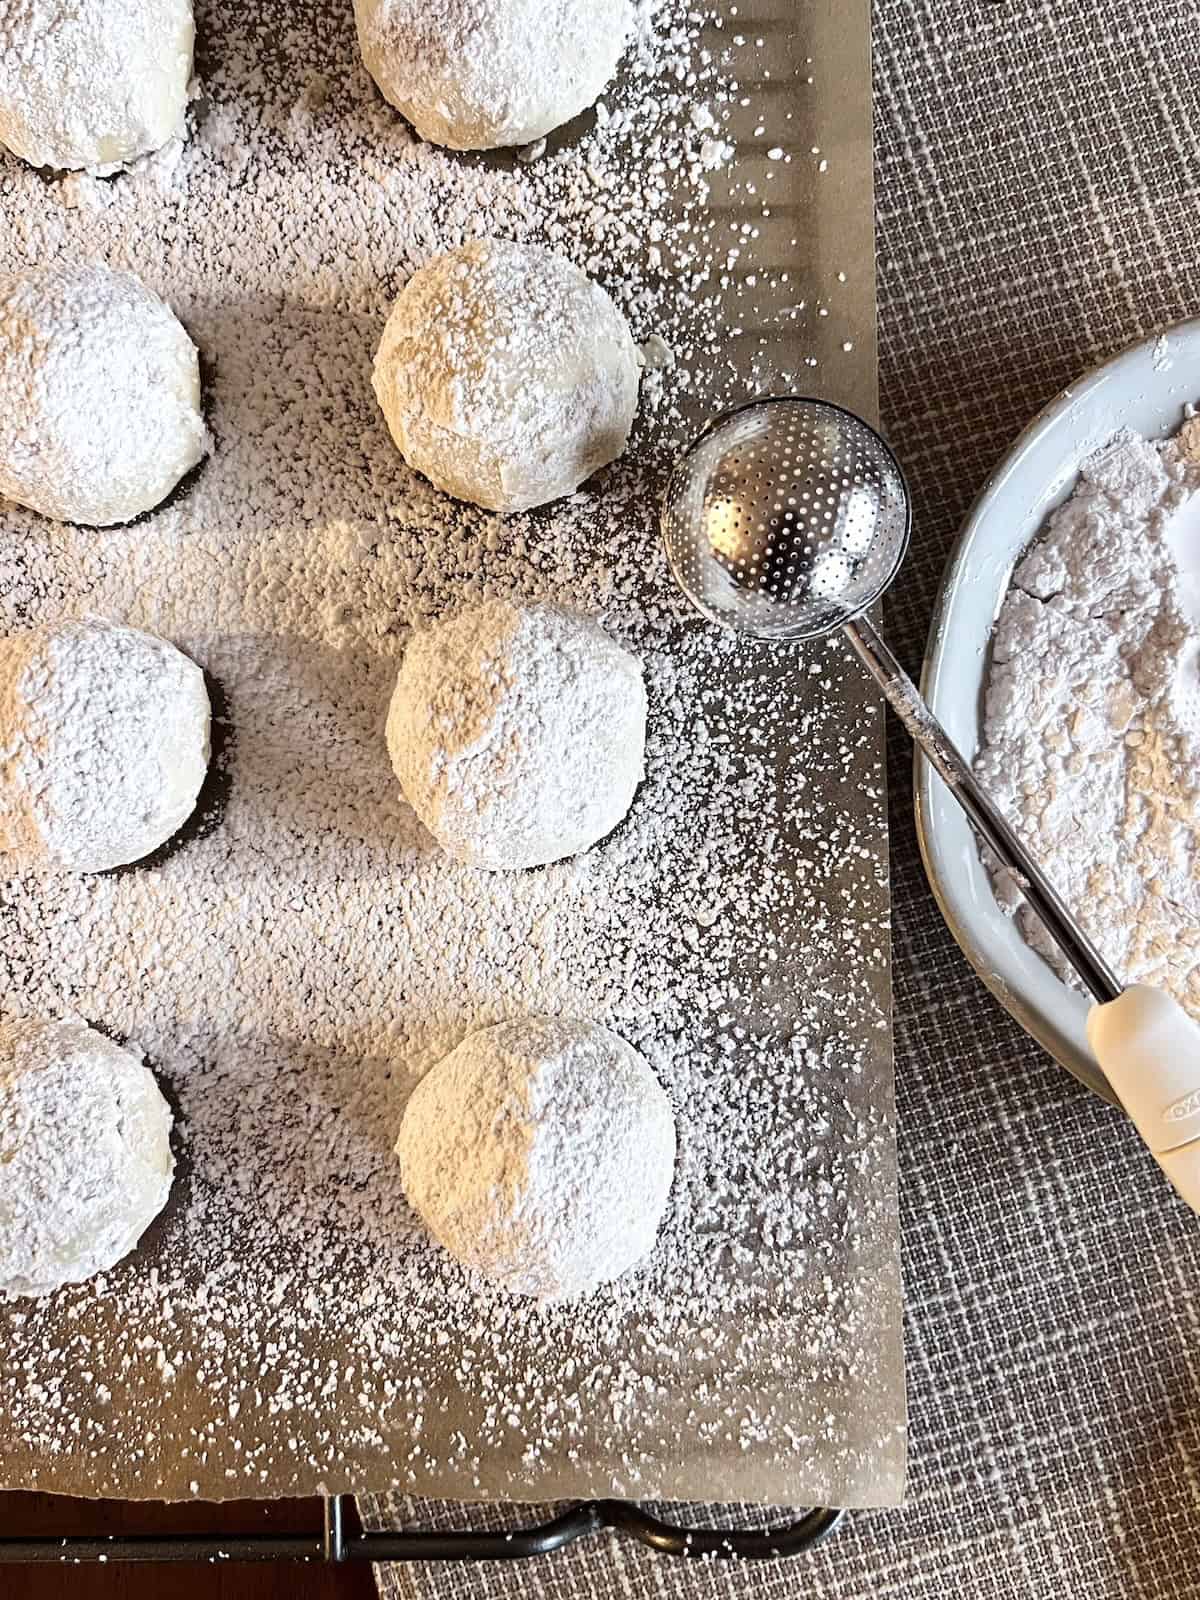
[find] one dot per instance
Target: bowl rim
(1007, 974)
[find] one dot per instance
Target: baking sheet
(759, 1356)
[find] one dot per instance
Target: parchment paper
(832, 1428)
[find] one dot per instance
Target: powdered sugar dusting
(540, 1152)
(92, 83)
(1092, 731)
(472, 74)
(517, 733)
(85, 1155)
(292, 974)
(507, 377)
(104, 744)
(99, 394)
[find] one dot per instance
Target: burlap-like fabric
(1039, 207)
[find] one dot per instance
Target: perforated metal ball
(786, 518)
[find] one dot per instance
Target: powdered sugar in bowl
(1145, 391)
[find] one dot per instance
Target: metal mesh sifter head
(786, 518)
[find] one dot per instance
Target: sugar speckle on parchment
(291, 972)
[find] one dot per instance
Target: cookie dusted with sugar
(517, 733)
(474, 74)
(506, 375)
(540, 1152)
(93, 83)
(85, 1155)
(104, 744)
(99, 395)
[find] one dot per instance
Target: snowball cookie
(85, 1154)
(103, 744)
(540, 1152)
(473, 74)
(93, 83)
(99, 395)
(517, 733)
(506, 375)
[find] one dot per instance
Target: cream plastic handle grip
(1149, 1048)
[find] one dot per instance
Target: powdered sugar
(292, 974)
(506, 376)
(85, 1155)
(517, 733)
(1092, 727)
(473, 74)
(99, 394)
(104, 740)
(540, 1152)
(92, 83)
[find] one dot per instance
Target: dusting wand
(787, 519)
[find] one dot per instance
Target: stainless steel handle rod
(905, 699)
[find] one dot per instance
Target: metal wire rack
(335, 1543)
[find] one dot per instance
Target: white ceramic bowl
(1146, 389)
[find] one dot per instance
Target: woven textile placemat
(1038, 208)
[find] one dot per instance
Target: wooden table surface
(31, 1514)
